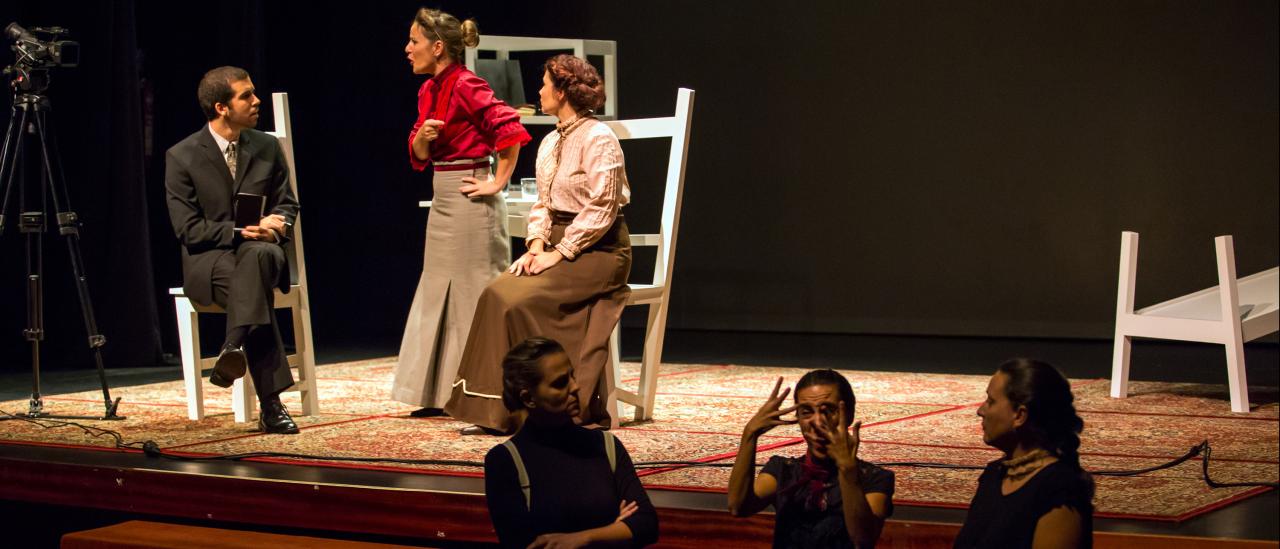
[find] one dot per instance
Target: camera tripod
(29, 120)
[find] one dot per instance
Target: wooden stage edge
(410, 513)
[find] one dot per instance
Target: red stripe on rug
(722, 456)
(1098, 454)
(944, 505)
(686, 372)
(674, 488)
(918, 416)
(1161, 414)
(363, 467)
(259, 434)
(355, 379)
(755, 397)
(1215, 505)
(663, 393)
(216, 407)
(718, 457)
(1197, 458)
(139, 402)
(68, 446)
(689, 432)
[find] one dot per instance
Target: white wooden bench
(1229, 314)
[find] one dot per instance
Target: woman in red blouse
(572, 284)
(460, 124)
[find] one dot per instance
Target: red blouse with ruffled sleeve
(476, 122)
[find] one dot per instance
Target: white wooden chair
(298, 300)
(1229, 314)
(656, 294)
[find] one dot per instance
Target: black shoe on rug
(231, 365)
(428, 412)
(478, 430)
(275, 419)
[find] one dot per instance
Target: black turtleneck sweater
(571, 487)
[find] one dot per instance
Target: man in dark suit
(237, 268)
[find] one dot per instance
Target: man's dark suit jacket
(200, 194)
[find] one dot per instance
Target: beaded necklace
(1018, 468)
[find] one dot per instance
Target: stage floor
(908, 417)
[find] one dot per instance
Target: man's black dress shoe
(231, 365)
(275, 419)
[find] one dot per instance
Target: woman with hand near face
(572, 284)
(557, 484)
(460, 123)
(828, 497)
(1036, 495)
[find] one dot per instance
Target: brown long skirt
(577, 303)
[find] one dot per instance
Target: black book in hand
(249, 209)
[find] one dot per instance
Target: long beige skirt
(467, 246)
(577, 303)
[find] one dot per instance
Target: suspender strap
(520, 470)
(610, 451)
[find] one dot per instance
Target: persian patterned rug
(700, 412)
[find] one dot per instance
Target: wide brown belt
(459, 165)
(565, 218)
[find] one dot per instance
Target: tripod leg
(9, 159)
(69, 228)
(32, 224)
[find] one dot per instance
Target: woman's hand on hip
(476, 188)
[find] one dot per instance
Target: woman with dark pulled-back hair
(1036, 495)
(571, 286)
(556, 484)
(460, 123)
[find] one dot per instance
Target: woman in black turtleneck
(581, 485)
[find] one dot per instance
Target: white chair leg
(189, 349)
(1232, 331)
(306, 356)
(1237, 382)
(1120, 366)
(612, 374)
(655, 328)
(1123, 344)
(242, 399)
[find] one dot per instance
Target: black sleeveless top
(997, 520)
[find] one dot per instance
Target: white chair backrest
(677, 127)
(283, 132)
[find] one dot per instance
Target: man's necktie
(231, 159)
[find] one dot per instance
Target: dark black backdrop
(888, 167)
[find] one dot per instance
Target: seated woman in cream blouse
(571, 285)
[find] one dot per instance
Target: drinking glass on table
(529, 187)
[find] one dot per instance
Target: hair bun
(470, 33)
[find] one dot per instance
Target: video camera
(30, 70)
